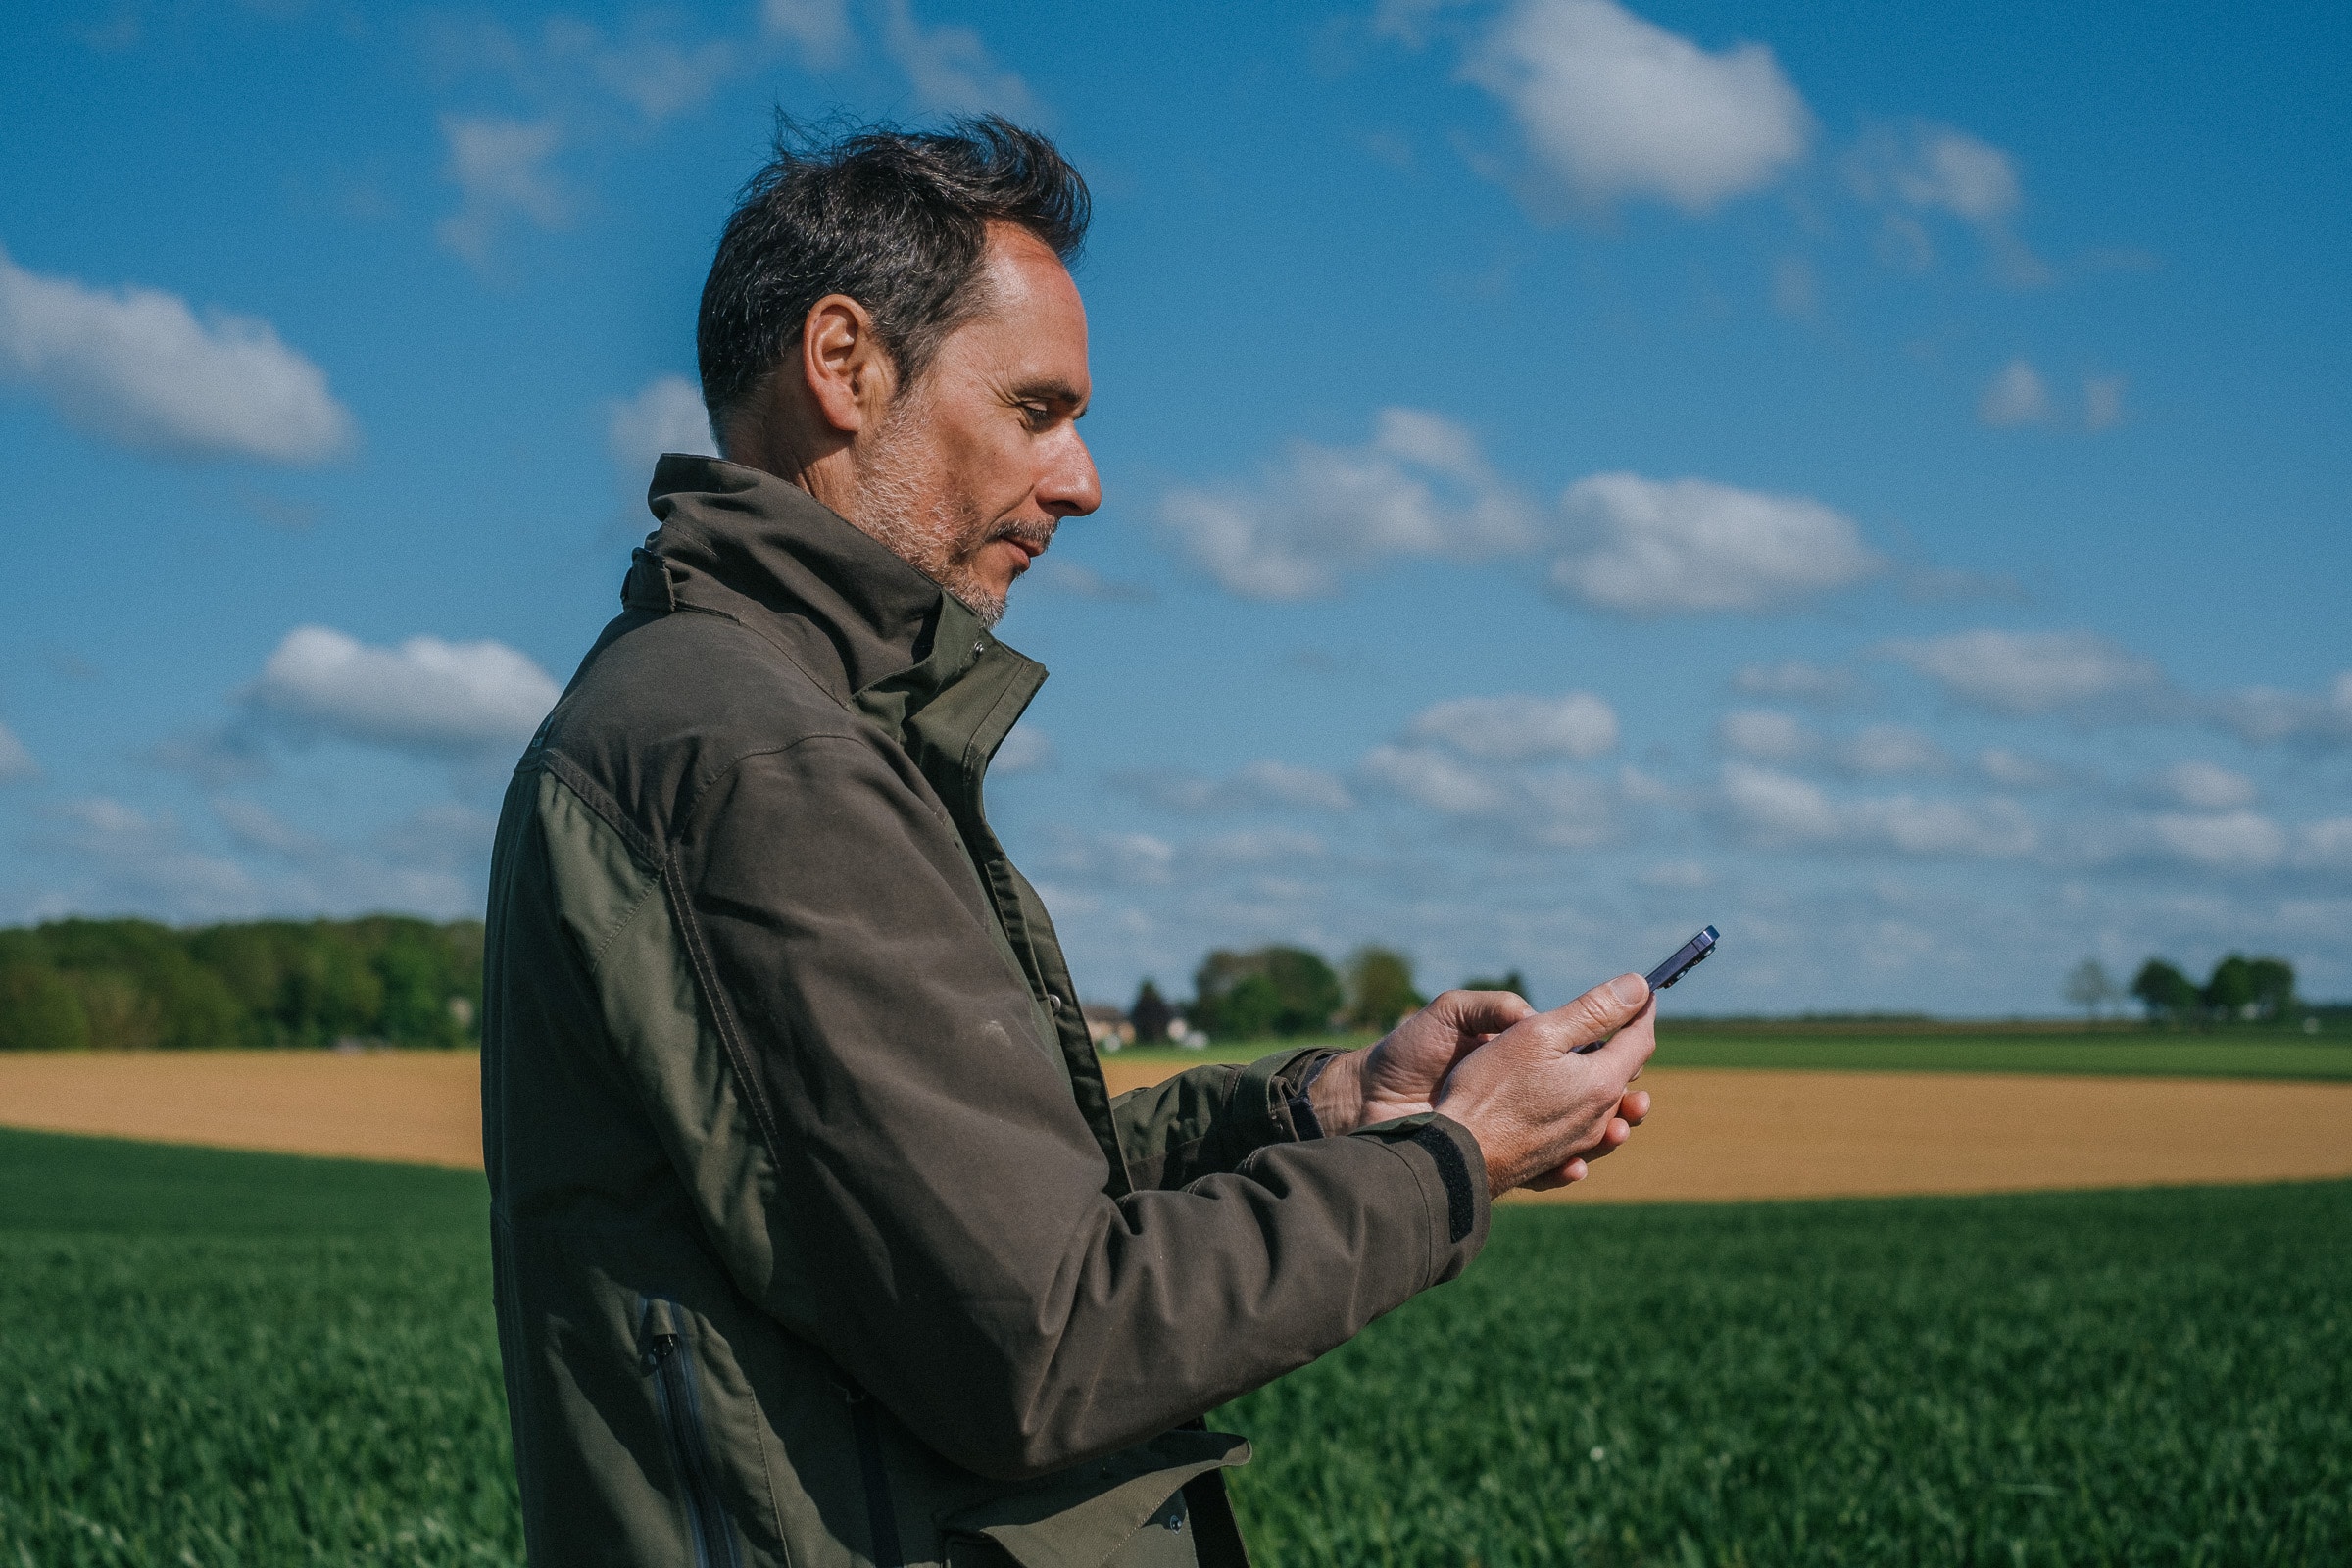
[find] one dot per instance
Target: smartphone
(1686, 958)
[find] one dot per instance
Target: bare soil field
(422, 1107)
(1713, 1134)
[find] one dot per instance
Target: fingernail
(1628, 989)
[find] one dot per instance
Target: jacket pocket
(667, 1355)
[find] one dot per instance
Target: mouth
(1030, 539)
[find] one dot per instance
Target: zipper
(881, 1519)
(677, 1392)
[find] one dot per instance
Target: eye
(1036, 414)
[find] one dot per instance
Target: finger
(1480, 1012)
(1633, 1106)
(1605, 1008)
(1612, 1137)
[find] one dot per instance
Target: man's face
(972, 467)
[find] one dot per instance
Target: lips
(1031, 539)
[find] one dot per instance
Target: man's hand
(1400, 1075)
(1540, 1107)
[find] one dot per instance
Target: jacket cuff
(1256, 1112)
(1451, 1172)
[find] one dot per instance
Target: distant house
(1107, 1026)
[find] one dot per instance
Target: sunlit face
(973, 467)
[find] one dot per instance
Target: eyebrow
(1053, 389)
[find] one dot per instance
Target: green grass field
(2245, 1053)
(219, 1358)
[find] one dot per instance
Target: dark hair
(895, 219)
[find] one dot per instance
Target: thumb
(1605, 1008)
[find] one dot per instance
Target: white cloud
(2102, 402)
(949, 67)
(500, 168)
(1614, 106)
(2015, 771)
(1420, 488)
(1119, 859)
(2205, 786)
(666, 416)
(1557, 810)
(1517, 728)
(15, 761)
(2230, 841)
(1884, 750)
(820, 27)
(2026, 672)
(1258, 846)
(426, 695)
(1261, 784)
(1938, 169)
(145, 862)
(1084, 582)
(1288, 784)
(2015, 396)
(1797, 681)
(1764, 736)
(1779, 811)
(257, 827)
(445, 837)
(2325, 846)
(135, 367)
(1429, 777)
(2261, 715)
(1684, 874)
(1778, 808)
(1025, 750)
(1661, 546)
(660, 79)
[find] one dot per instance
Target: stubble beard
(937, 534)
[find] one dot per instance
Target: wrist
(1338, 1093)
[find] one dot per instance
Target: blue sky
(1873, 482)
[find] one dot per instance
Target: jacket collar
(763, 551)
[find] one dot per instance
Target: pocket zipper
(677, 1393)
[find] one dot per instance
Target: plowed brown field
(1712, 1134)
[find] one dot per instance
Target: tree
(2230, 993)
(1380, 987)
(2089, 986)
(1300, 997)
(1252, 1010)
(1151, 1015)
(2166, 993)
(41, 1010)
(2274, 981)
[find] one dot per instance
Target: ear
(849, 372)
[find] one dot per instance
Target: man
(817, 1237)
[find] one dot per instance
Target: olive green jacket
(819, 1239)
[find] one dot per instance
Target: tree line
(131, 985)
(1283, 991)
(2240, 990)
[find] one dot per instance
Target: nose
(1070, 486)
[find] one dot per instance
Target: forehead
(1032, 326)
(1024, 276)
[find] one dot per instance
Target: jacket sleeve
(938, 1219)
(1208, 1119)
